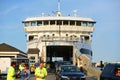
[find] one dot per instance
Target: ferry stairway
(84, 62)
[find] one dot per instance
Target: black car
(111, 72)
(69, 72)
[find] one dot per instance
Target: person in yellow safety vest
(21, 66)
(11, 75)
(0, 71)
(40, 72)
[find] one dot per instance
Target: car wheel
(57, 78)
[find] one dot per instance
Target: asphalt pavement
(50, 76)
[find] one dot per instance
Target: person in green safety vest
(21, 66)
(11, 75)
(40, 72)
(0, 71)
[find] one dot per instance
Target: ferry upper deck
(50, 23)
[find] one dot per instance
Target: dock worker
(11, 75)
(40, 72)
(21, 66)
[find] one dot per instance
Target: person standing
(25, 73)
(11, 75)
(117, 73)
(40, 72)
(21, 66)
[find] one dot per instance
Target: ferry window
(36, 35)
(32, 57)
(78, 23)
(84, 23)
(65, 22)
(53, 35)
(73, 36)
(48, 36)
(27, 24)
(72, 22)
(32, 61)
(67, 35)
(86, 37)
(91, 53)
(44, 35)
(39, 23)
(59, 22)
(45, 22)
(31, 38)
(90, 24)
(33, 23)
(52, 22)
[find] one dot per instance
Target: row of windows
(32, 62)
(32, 57)
(59, 22)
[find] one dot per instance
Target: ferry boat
(59, 37)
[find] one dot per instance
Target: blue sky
(106, 37)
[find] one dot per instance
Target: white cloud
(8, 10)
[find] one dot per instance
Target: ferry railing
(51, 39)
(70, 39)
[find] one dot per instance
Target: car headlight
(65, 77)
(83, 77)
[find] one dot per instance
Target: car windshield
(63, 63)
(69, 69)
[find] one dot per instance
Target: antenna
(58, 13)
(59, 5)
(42, 14)
(75, 12)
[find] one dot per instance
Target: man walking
(11, 75)
(40, 72)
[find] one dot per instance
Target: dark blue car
(69, 72)
(110, 72)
